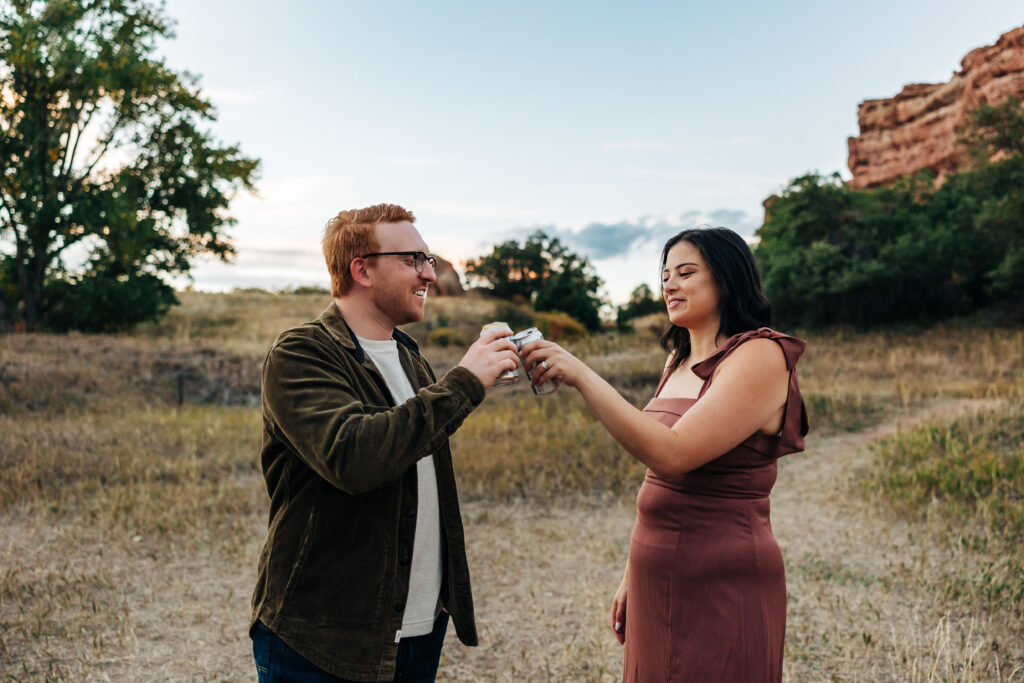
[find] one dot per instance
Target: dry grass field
(132, 508)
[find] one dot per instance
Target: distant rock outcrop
(447, 283)
(918, 128)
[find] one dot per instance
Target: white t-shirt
(423, 603)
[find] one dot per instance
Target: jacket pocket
(340, 575)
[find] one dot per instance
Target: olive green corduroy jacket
(339, 462)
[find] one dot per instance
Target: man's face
(398, 291)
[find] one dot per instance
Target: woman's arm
(749, 387)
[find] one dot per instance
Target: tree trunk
(6, 324)
(33, 293)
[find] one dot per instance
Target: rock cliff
(918, 128)
(447, 283)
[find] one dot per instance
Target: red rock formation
(918, 128)
(447, 283)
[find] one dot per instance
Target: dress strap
(792, 348)
(794, 422)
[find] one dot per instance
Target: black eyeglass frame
(419, 258)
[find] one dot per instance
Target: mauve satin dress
(707, 586)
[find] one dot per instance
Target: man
(364, 560)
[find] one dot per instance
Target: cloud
(286, 256)
(603, 241)
(269, 268)
(736, 220)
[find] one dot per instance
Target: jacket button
(475, 400)
(399, 606)
(410, 513)
(405, 559)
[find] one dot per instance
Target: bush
(98, 302)
(642, 302)
(518, 316)
(445, 336)
(307, 289)
(559, 326)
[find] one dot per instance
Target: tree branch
(6, 210)
(106, 145)
(69, 161)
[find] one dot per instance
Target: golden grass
(521, 445)
(943, 361)
(244, 322)
(106, 484)
(92, 504)
(152, 471)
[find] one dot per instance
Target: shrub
(445, 336)
(559, 326)
(99, 302)
(518, 316)
(642, 302)
(307, 289)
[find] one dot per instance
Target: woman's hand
(619, 609)
(548, 361)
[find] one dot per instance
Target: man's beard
(397, 308)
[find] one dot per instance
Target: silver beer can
(521, 339)
(509, 376)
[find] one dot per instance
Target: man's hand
(490, 355)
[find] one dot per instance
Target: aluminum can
(509, 376)
(521, 339)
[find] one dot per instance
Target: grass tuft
(968, 476)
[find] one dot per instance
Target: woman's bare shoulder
(762, 353)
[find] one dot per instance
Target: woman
(703, 597)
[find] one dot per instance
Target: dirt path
(868, 599)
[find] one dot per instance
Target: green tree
(544, 272)
(830, 254)
(642, 301)
(515, 271)
(995, 190)
(106, 148)
(996, 129)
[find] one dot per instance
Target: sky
(610, 125)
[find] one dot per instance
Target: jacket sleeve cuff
(464, 382)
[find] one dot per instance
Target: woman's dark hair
(744, 305)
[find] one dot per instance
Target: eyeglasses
(418, 258)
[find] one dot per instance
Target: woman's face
(691, 293)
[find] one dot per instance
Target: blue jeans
(276, 662)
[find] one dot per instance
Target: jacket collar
(333, 321)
